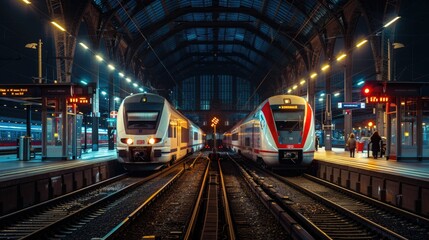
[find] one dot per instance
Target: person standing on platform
(351, 143)
(375, 144)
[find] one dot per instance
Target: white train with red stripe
(279, 133)
(151, 133)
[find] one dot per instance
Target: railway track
(211, 216)
(328, 211)
(166, 216)
(250, 218)
(401, 224)
(83, 214)
(29, 221)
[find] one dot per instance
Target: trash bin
(359, 146)
(24, 148)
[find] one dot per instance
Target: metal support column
(28, 123)
(95, 105)
(328, 114)
(348, 96)
(311, 95)
(44, 127)
(328, 124)
(64, 142)
(398, 128)
(111, 125)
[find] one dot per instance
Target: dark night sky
(20, 24)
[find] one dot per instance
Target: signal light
(366, 90)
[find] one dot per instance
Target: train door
(241, 137)
(252, 146)
(178, 141)
(172, 133)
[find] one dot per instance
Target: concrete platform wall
(23, 192)
(405, 193)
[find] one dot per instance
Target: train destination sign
(351, 105)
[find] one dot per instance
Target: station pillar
(328, 124)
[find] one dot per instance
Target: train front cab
(141, 124)
(293, 128)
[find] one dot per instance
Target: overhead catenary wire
(288, 46)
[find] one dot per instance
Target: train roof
(160, 99)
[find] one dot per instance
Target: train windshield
(289, 121)
(142, 120)
(289, 126)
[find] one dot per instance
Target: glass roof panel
(287, 20)
(256, 4)
(203, 3)
(229, 3)
(158, 33)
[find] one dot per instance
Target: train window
(234, 136)
(142, 120)
(170, 131)
(247, 142)
(195, 136)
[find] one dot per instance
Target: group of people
(375, 143)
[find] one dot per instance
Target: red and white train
(279, 133)
(152, 134)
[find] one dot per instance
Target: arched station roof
(174, 39)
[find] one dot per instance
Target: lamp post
(215, 121)
(37, 46)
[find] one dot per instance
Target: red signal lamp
(366, 90)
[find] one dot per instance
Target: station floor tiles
(11, 166)
(409, 169)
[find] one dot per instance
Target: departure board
(45, 90)
(19, 91)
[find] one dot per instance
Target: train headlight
(154, 140)
(128, 141)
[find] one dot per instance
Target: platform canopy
(254, 40)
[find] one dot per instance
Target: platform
(402, 184)
(10, 165)
(25, 183)
(410, 169)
